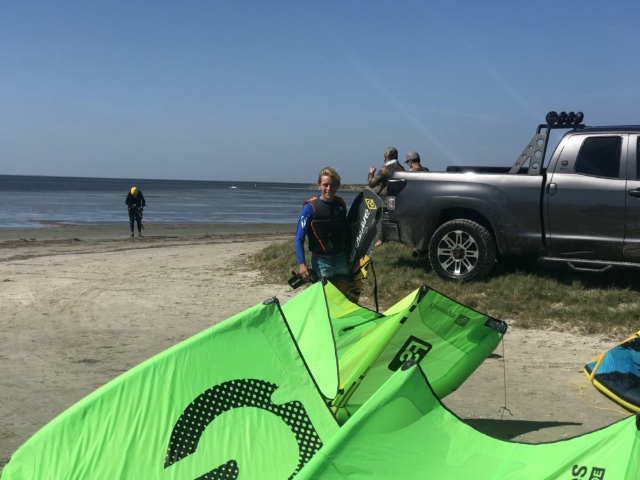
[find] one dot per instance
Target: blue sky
(274, 91)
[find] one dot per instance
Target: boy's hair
(329, 172)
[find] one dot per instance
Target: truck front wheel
(462, 250)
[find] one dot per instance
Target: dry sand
(83, 304)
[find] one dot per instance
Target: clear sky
(276, 90)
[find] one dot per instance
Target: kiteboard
(363, 228)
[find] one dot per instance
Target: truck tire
(462, 250)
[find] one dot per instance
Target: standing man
(413, 160)
(381, 179)
(324, 221)
(135, 202)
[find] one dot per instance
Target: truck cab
(592, 195)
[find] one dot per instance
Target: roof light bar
(564, 118)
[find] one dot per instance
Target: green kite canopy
(258, 395)
(404, 431)
(236, 397)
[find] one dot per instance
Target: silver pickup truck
(582, 208)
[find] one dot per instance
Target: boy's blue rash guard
(308, 213)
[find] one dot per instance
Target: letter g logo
(227, 396)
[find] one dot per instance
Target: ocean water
(35, 201)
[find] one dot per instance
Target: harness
(327, 231)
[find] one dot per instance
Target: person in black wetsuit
(135, 202)
(323, 221)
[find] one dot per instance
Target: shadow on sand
(510, 429)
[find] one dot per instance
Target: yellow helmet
(134, 191)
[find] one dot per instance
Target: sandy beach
(83, 304)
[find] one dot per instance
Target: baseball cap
(413, 156)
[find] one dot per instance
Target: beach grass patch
(530, 294)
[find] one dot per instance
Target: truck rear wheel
(462, 250)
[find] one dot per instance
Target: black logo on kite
(222, 398)
(462, 320)
(413, 349)
(580, 471)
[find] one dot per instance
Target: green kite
(259, 395)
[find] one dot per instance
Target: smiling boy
(324, 221)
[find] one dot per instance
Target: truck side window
(600, 157)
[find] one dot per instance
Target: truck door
(632, 226)
(585, 198)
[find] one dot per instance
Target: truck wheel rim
(458, 253)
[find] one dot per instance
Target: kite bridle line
(504, 380)
(375, 285)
